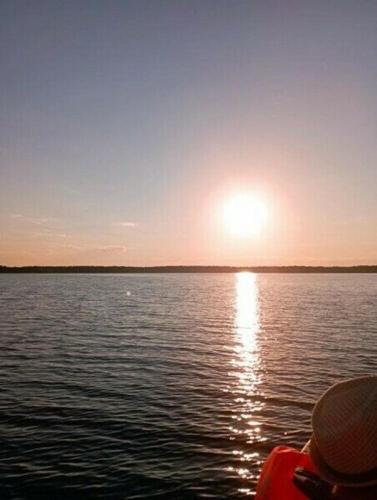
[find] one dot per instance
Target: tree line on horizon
(189, 269)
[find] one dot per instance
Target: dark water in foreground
(168, 386)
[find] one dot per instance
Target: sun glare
(245, 215)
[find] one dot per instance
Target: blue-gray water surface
(168, 385)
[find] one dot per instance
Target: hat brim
(332, 476)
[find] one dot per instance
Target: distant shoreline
(188, 269)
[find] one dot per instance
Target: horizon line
(294, 268)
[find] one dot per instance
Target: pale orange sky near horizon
(127, 130)
(283, 240)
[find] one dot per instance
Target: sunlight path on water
(247, 368)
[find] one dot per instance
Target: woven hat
(344, 443)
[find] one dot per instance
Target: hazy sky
(126, 125)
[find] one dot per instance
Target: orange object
(276, 479)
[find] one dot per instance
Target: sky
(126, 127)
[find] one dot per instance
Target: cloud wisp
(49, 234)
(110, 249)
(126, 224)
(39, 221)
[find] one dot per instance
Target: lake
(168, 385)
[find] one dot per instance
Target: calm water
(168, 386)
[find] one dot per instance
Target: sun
(244, 215)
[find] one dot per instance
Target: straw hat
(344, 443)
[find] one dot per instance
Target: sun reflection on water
(247, 315)
(246, 429)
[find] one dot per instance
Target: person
(341, 459)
